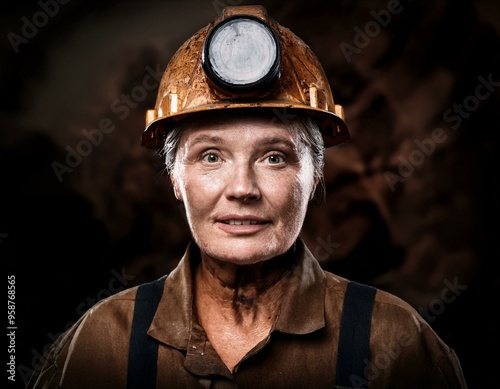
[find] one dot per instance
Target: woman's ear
(313, 190)
(175, 186)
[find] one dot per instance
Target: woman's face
(245, 183)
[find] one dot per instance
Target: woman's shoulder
(124, 299)
(399, 334)
(383, 301)
(391, 316)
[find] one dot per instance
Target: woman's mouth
(242, 222)
(242, 225)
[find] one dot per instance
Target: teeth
(242, 222)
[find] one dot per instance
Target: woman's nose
(242, 184)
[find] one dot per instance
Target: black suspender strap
(143, 350)
(354, 341)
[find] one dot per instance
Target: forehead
(242, 127)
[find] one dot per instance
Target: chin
(243, 251)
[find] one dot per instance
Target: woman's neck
(242, 293)
(237, 305)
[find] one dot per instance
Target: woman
(248, 305)
(246, 183)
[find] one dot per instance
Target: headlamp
(242, 55)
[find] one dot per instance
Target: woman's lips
(241, 222)
(242, 225)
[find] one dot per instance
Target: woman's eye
(275, 159)
(211, 158)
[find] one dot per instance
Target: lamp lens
(243, 52)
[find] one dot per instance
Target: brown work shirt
(300, 351)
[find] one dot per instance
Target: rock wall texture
(411, 202)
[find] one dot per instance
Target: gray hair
(305, 127)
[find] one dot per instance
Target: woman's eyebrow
(205, 138)
(276, 141)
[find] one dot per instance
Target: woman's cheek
(203, 188)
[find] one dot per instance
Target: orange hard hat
(244, 59)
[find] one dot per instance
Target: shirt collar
(302, 309)
(172, 322)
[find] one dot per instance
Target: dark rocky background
(411, 202)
